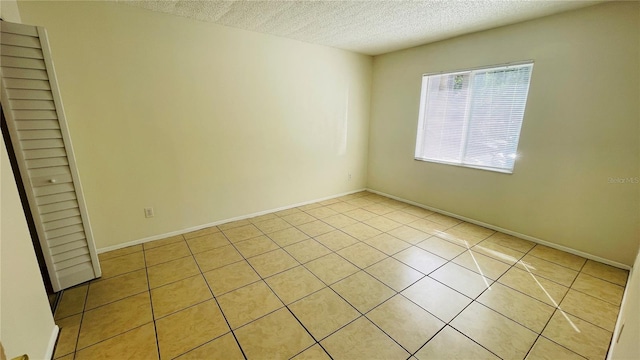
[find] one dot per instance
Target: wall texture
(580, 131)
(26, 322)
(200, 121)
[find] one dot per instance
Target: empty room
(320, 180)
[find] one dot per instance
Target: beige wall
(26, 323)
(200, 121)
(9, 10)
(206, 123)
(581, 128)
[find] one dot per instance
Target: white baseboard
(509, 232)
(480, 223)
(52, 342)
(198, 227)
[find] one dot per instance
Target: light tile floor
(357, 277)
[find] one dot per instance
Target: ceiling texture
(367, 27)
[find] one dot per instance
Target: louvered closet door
(38, 130)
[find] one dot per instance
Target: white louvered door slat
(40, 134)
(57, 224)
(71, 254)
(50, 171)
(18, 51)
(66, 239)
(42, 144)
(75, 274)
(42, 163)
(80, 244)
(37, 127)
(22, 73)
(78, 260)
(34, 114)
(57, 206)
(20, 40)
(33, 105)
(52, 235)
(43, 154)
(63, 214)
(53, 189)
(24, 63)
(19, 29)
(29, 94)
(27, 84)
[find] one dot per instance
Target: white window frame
(422, 121)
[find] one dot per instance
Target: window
(473, 118)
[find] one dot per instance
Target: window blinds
(473, 118)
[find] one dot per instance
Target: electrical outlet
(148, 212)
(349, 176)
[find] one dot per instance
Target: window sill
(485, 168)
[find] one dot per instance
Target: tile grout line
(126, 297)
(461, 333)
(554, 312)
(110, 338)
(494, 281)
(75, 346)
(217, 303)
(474, 300)
(364, 270)
(553, 306)
(448, 323)
(153, 317)
(123, 298)
(384, 332)
(431, 338)
(595, 297)
(363, 315)
(285, 306)
(328, 286)
(192, 255)
(84, 309)
(553, 341)
(537, 334)
(335, 228)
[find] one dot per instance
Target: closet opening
(53, 296)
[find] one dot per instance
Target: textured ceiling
(368, 27)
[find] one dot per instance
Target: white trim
(460, 164)
(509, 232)
(198, 227)
(460, 156)
(52, 342)
(495, 66)
(68, 147)
(623, 308)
